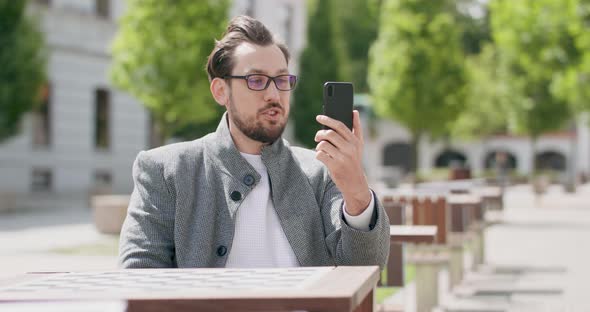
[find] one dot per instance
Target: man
(241, 196)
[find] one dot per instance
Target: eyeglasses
(259, 82)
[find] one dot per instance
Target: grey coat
(186, 196)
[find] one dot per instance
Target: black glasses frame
(270, 78)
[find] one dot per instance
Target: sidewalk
(552, 230)
(57, 235)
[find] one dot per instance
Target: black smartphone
(338, 98)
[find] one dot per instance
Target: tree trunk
(415, 152)
(157, 133)
(570, 184)
(539, 182)
(533, 172)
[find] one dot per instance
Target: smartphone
(338, 100)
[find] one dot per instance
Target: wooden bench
(492, 197)
(466, 226)
(453, 214)
(426, 262)
(468, 201)
(401, 234)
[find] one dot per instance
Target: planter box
(109, 212)
(7, 202)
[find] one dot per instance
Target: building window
(42, 180)
(102, 119)
(42, 119)
(250, 8)
(102, 8)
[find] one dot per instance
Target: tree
(357, 30)
(416, 70)
(318, 64)
(473, 18)
(491, 94)
(534, 37)
(159, 56)
(23, 60)
(572, 84)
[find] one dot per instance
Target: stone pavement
(52, 234)
(553, 230)
(548, 231)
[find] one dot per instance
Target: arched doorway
(399, 155)
(450, 157)
(494, 157)
(550, 160)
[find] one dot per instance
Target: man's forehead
(251, 58)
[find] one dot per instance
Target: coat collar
(228, 155)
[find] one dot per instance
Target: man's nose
(271, 94)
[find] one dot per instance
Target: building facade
(87, 134)
(565, 153)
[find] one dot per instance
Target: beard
(254, 128)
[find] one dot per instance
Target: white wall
(78, 44)
(476, 151)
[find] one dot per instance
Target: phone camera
(330, 90)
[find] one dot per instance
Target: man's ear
(220, 91)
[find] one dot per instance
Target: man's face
(260, 115)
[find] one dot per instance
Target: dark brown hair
(240, 29)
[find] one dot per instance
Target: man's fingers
(335, 125)
(324, 157)
(330, 136)
(329, 149)
(357, 128)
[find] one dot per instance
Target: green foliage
(23, 62)
(572, 84)
(383, 293)
(159, 56)
(416, 70)
(358, 30)
(193, 130)
(533, 36)
(317, 65)
(339, 36)
(492, 93)
(475, 28)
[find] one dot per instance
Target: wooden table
(465, 209)
(343, 288)
(412, 234)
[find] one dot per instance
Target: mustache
(269, 106)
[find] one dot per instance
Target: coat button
(249, 180)
(221, 251)
(235, 195)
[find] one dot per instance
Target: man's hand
(341, 151)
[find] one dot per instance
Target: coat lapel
(291, 192)
(295, 203)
